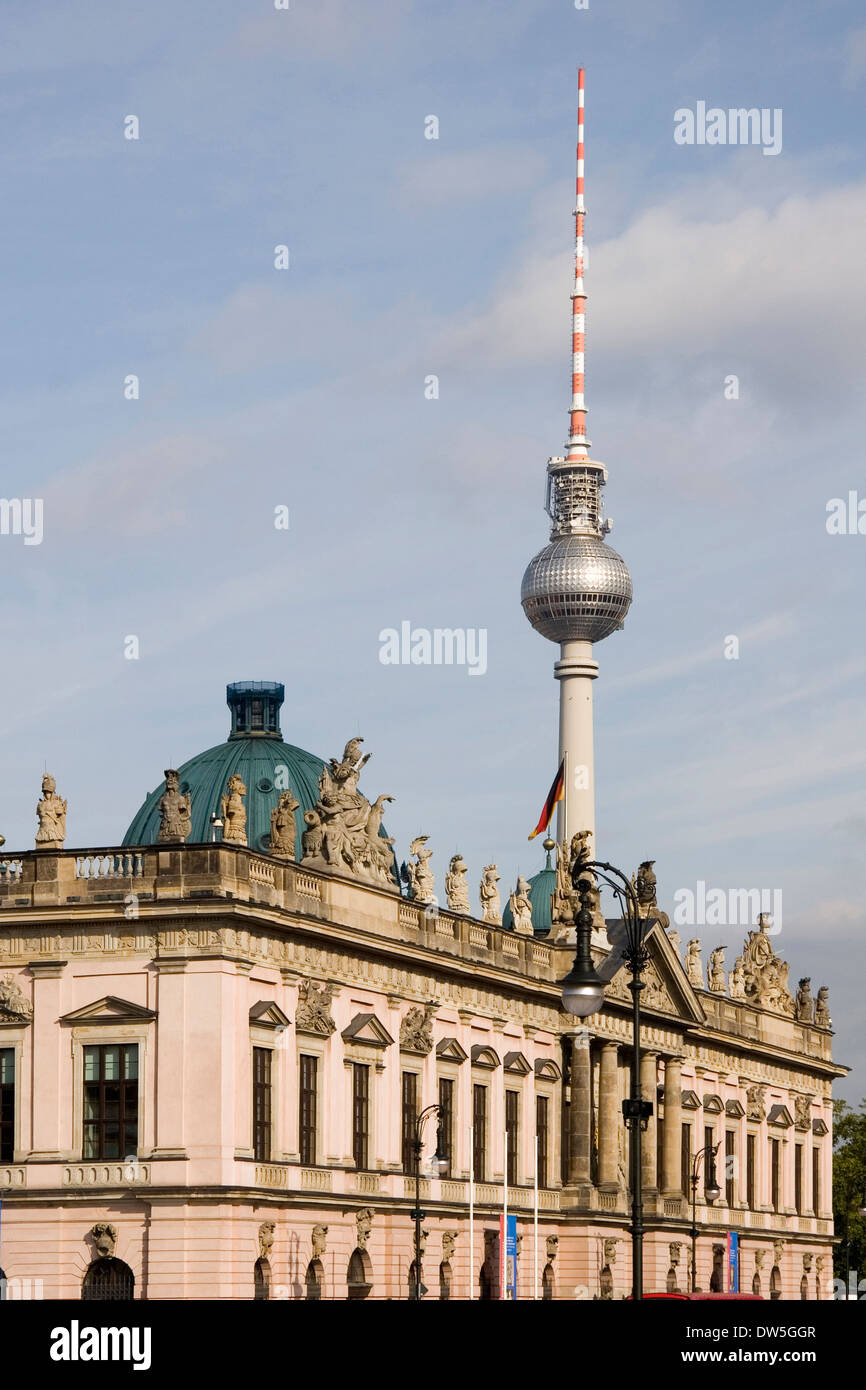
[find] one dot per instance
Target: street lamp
(712, 1192)
(441, 1162)
(583, 994)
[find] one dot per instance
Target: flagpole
(535, 1222)
(471, 1211)
(503, 1253)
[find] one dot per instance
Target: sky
(410, 257)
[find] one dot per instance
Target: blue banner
(733, 1262)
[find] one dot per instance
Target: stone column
(609, 1116)
(579, 1171)
(648, 1085)
(671, 1135)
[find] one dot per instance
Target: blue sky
(305, 388)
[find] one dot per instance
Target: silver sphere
(576, 589)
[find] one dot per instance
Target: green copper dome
(541, 887)
(254, 749)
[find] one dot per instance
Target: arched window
(804, 1287)
(672, 1286)
(359, 1275)
(485, 1282)
(605, 1282)
(756, 1283)
(411, 1281)
(108, 1280)
(776, 1282)
(445, 1280)
(262, 1280)
(717, 1276)
(548, 1284)
(315, 1279)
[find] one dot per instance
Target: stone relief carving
(807, 1263)
(104, 1237)
(803, 1112)
(694, 965)
(343, 828)
(755, 1102)
(674, 1249)
(266, 1238)
(822, 1008)
(363, 1227)
(320, 1240)
(234, 811)
(283, 830)
(13, 1000)
(778, 1251)
(820, 1261)
(419, 876)
(521, 907)
(610, 1244)
(717, 970)
(765, 975)
(449, 1240)
(456, 885)
(552, 1247)
(313, 1014)
(805, 1003)
(491, 907)
(51, 813)
(416, 1029)
(174, 811)
(760, 1256)
(737, 980)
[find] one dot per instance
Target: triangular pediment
(780, 1115)
(449, 1050)
(268, 1014)
(690, 1101)
(667, 988)
(734, 1110)
(110, 1009)
(516, 1063)
(366, 1028)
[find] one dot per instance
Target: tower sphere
(576, 589)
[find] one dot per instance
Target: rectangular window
(730, 1166)
(7, 1104)
(410, 1116)
(446, 1121)
(360, 1112)
(262, 1103)
(686, 1159)
(307, 1108)
(512, 1134)
(479, 1133)
(542, 1129)
(111, 1101)
(660, 1145)
(750, 1171)
(709, 1141)
(775, 1173)
(798, 1178)
(816, 1180)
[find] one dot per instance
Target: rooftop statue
(717, 970)
(765, 975)
(694, 965)
(343, 828)
(822, 1008)
(51, 811)
(805, 1003)
(491, 907)
(456, 885)
(521, 907)
(419, 876)
(234, 811)
(174, 811)
(644, 884)
(283, 832)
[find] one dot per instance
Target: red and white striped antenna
(578, 444)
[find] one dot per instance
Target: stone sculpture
(282, 843)
(416, 1029)
(805, 1003)
(363, 1226)
(521, 907)
(174, 811)
(320, 1237)
(343, 828)
(419, 876)
(765, 975)
(675, 940)
(717, 970)
(234, 811)
(456, 885)
(12, 1000)
(822, 1008)
(755, 1102)
(552, 1247)
(737, 980)
(313, 1014)
(51, 812)
(803, 1112)
(266, 1238)
(491, 907)
(694, 966)
(104, 1237)
(449, 1240)
(644, 884)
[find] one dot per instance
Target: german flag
(554, 795)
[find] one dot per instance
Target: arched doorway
(605, 1282)
(548, 1284)
(108, 1280)
(485, 1282)
(359, 1275)
(262, 1280)
(314, 1281)
(776, 1282)
(756, 1283)
(717, 1278)
(445, 1280)
(411, 1281)
(804, 1287)
(671, 1285)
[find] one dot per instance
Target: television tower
(577, 590)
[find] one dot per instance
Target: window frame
(265, 1128)
(12, 1104)
(101, 1082)
(409, 1111)
(307, 1130)
(542, 1138)
(361, 1138)
(480, 1146)
(512, 1135)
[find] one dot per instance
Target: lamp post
(711, 1192)
(441, 1161)
(583, 994)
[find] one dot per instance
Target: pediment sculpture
(416, 1029)
(765, 976)
(13, 1001)
(342, 834)
(313, 1014)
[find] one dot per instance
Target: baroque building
(216, 1035)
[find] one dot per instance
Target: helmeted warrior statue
(491, 907)
(51, 811)
(456, 885)
(234, 811)
(175, 807)
(282, 842)
(521, 907)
